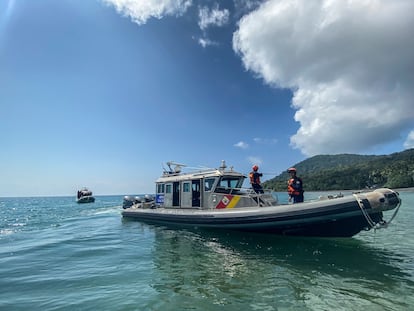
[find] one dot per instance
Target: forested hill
(351, 172)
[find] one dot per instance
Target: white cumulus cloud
(205, 42)
(350, 65)
(212, 17)
(141, 10)
(409, 143)
(242, 145)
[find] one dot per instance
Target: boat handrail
(241, 191)
(199, 171)
(262, 199)
(196, 172)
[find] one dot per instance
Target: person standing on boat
(255, 179)
(295, 186)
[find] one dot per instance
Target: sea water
(59, 255)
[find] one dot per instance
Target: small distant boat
(85, 196)
(215, 199)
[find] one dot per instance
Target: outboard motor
(149, 198)
(130, 200)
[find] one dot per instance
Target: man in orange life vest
(295, 186)
(255, 179)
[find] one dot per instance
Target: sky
(102, 93)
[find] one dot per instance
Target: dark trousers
(257, 188)
(297, 198)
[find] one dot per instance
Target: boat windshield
(230, 182)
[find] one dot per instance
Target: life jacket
(295, 186)
(254, 178)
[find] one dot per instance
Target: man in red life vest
(295, 186)
(255, 179)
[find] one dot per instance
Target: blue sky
(100, 93)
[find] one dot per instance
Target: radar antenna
(223, 165)
(177, 167)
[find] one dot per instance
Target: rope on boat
(395, 212)
(374, 225)
(364, 212)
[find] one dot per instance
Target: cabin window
(186, 187)
(160, 188)
(168, 188)
(208, 184)
(196, 196)
(196, 186)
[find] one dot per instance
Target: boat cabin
(206, 189)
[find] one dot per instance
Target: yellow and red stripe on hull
(228, 201)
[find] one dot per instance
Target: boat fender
(374, 199)
(381, 199)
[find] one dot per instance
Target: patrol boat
(216, 199)
(85, 196)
